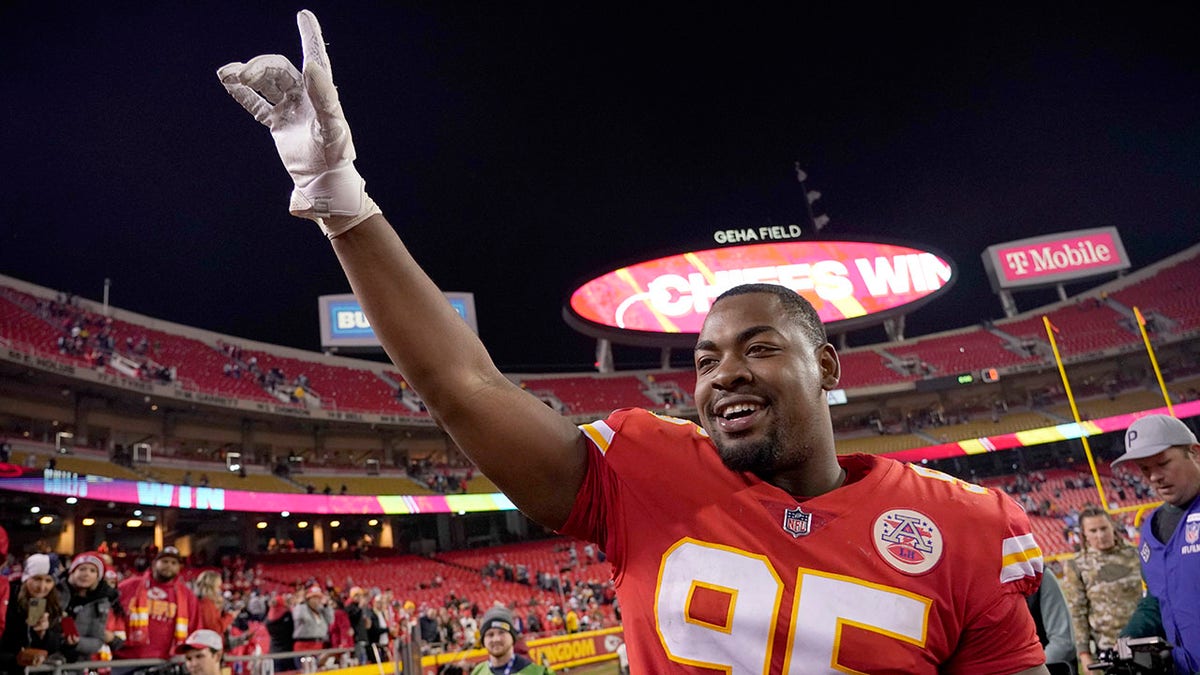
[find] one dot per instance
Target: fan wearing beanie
(32, 626)
(89, 601)
(499, 637)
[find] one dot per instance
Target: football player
(744, 544)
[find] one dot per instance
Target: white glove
(309, 128)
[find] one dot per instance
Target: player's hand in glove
(310, 131)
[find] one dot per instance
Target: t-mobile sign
(1054, 258)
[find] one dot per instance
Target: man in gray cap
(1168, 456)
(499, 634)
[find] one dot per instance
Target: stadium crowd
(145, 604)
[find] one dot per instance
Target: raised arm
(536, 456)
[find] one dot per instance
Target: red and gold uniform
(900, 570)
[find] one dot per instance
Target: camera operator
(1168, 456)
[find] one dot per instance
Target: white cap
(1152, 434)
(199, 640)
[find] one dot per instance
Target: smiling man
(744, 544)
(747, 543)
(1166, 453)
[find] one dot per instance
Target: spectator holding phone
(88, 601)
(33, 621)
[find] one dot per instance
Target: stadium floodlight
(810, 197)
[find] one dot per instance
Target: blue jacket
(1172, 573)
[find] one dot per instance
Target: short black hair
(798, 309)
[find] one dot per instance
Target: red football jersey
(900, 570)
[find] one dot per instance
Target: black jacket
(17, 634)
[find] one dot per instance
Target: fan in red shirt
(161, 610)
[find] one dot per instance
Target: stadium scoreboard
(852, 284)
(985, 376)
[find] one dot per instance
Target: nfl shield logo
(796, 522)
(1192, 533)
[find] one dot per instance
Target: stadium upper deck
(208, 393)
(40, 328)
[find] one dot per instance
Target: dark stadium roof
(522, 148)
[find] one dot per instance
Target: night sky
(521, 148)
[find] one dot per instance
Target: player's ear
(831, 366)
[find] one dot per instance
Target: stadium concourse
(287, 469)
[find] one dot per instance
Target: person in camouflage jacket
(1103, 585)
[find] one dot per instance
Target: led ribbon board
(850, 284)
(165, 495)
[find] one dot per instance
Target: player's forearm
(532, 453)
(435, 351)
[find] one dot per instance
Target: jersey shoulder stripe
(642, 427)
(599, 433)
(1021, 558)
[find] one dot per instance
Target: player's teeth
(739, 408)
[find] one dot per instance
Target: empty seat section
(866, 368)
(1082, 328)
(1171, 292)
(596, 395)
(960, 353)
